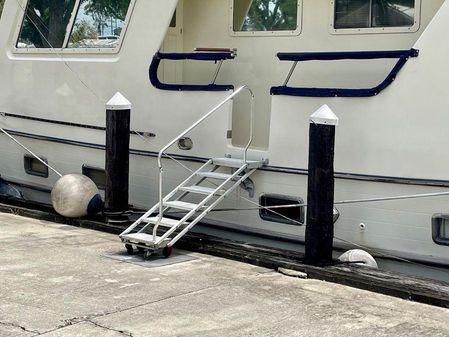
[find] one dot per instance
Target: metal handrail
(190, 128)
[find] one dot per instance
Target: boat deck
(60, 280)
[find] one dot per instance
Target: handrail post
(251, 121)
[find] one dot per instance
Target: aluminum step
(140, 238)
(237, 163)
(200, 190)
(187, 206)
(165, 222)
(214, 175)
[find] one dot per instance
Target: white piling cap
(324, 115)
(118, 102)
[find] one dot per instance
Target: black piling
(118, 111)
(320, 190)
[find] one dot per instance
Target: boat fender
(75, 195)
(359, 257)
(9, 190)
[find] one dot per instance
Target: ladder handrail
(190, 128)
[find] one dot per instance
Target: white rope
(343, 202)
(31, 152)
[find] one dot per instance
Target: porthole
(97, 175)
(440, 229)
(35, 167)
(288, 215)
(185, 143)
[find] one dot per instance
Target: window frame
(65, 50)
(295, 32)
(374, 30)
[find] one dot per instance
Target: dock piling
(118, 111)
(320, 190)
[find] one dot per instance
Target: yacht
(380, 65)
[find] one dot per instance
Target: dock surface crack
(15, 325)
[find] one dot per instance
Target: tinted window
(265, 15)
(45, 23)
(2, 2)
(98, 23)
(374, 13)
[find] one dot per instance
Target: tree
(266, 15)
(116, 9)
(2, 2)
(81, 31)
(45, 22)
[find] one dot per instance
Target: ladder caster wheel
(129, 249)
(147, 254)
(166, 251)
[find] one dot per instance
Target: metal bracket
(248, 186)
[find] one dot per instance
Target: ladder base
(143, 240)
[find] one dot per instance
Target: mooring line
(61, 56)
(30, 152)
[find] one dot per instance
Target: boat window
(98, 24)
(372, 14)
(69, 25)
(265, 16)
(440, 229)
(45, 27)
(34, 167)
(97, 175)
(288, 215)
(173, 20)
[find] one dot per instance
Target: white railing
(190, 128)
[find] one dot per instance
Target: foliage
(81, 31)
(267, 15)
(46, 20)
(2, 2)
(116, 9)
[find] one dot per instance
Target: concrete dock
(59, 280)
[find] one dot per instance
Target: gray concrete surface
(57, 280)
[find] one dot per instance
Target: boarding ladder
(209, 185)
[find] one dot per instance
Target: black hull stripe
(52, 121)
(278, 169)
